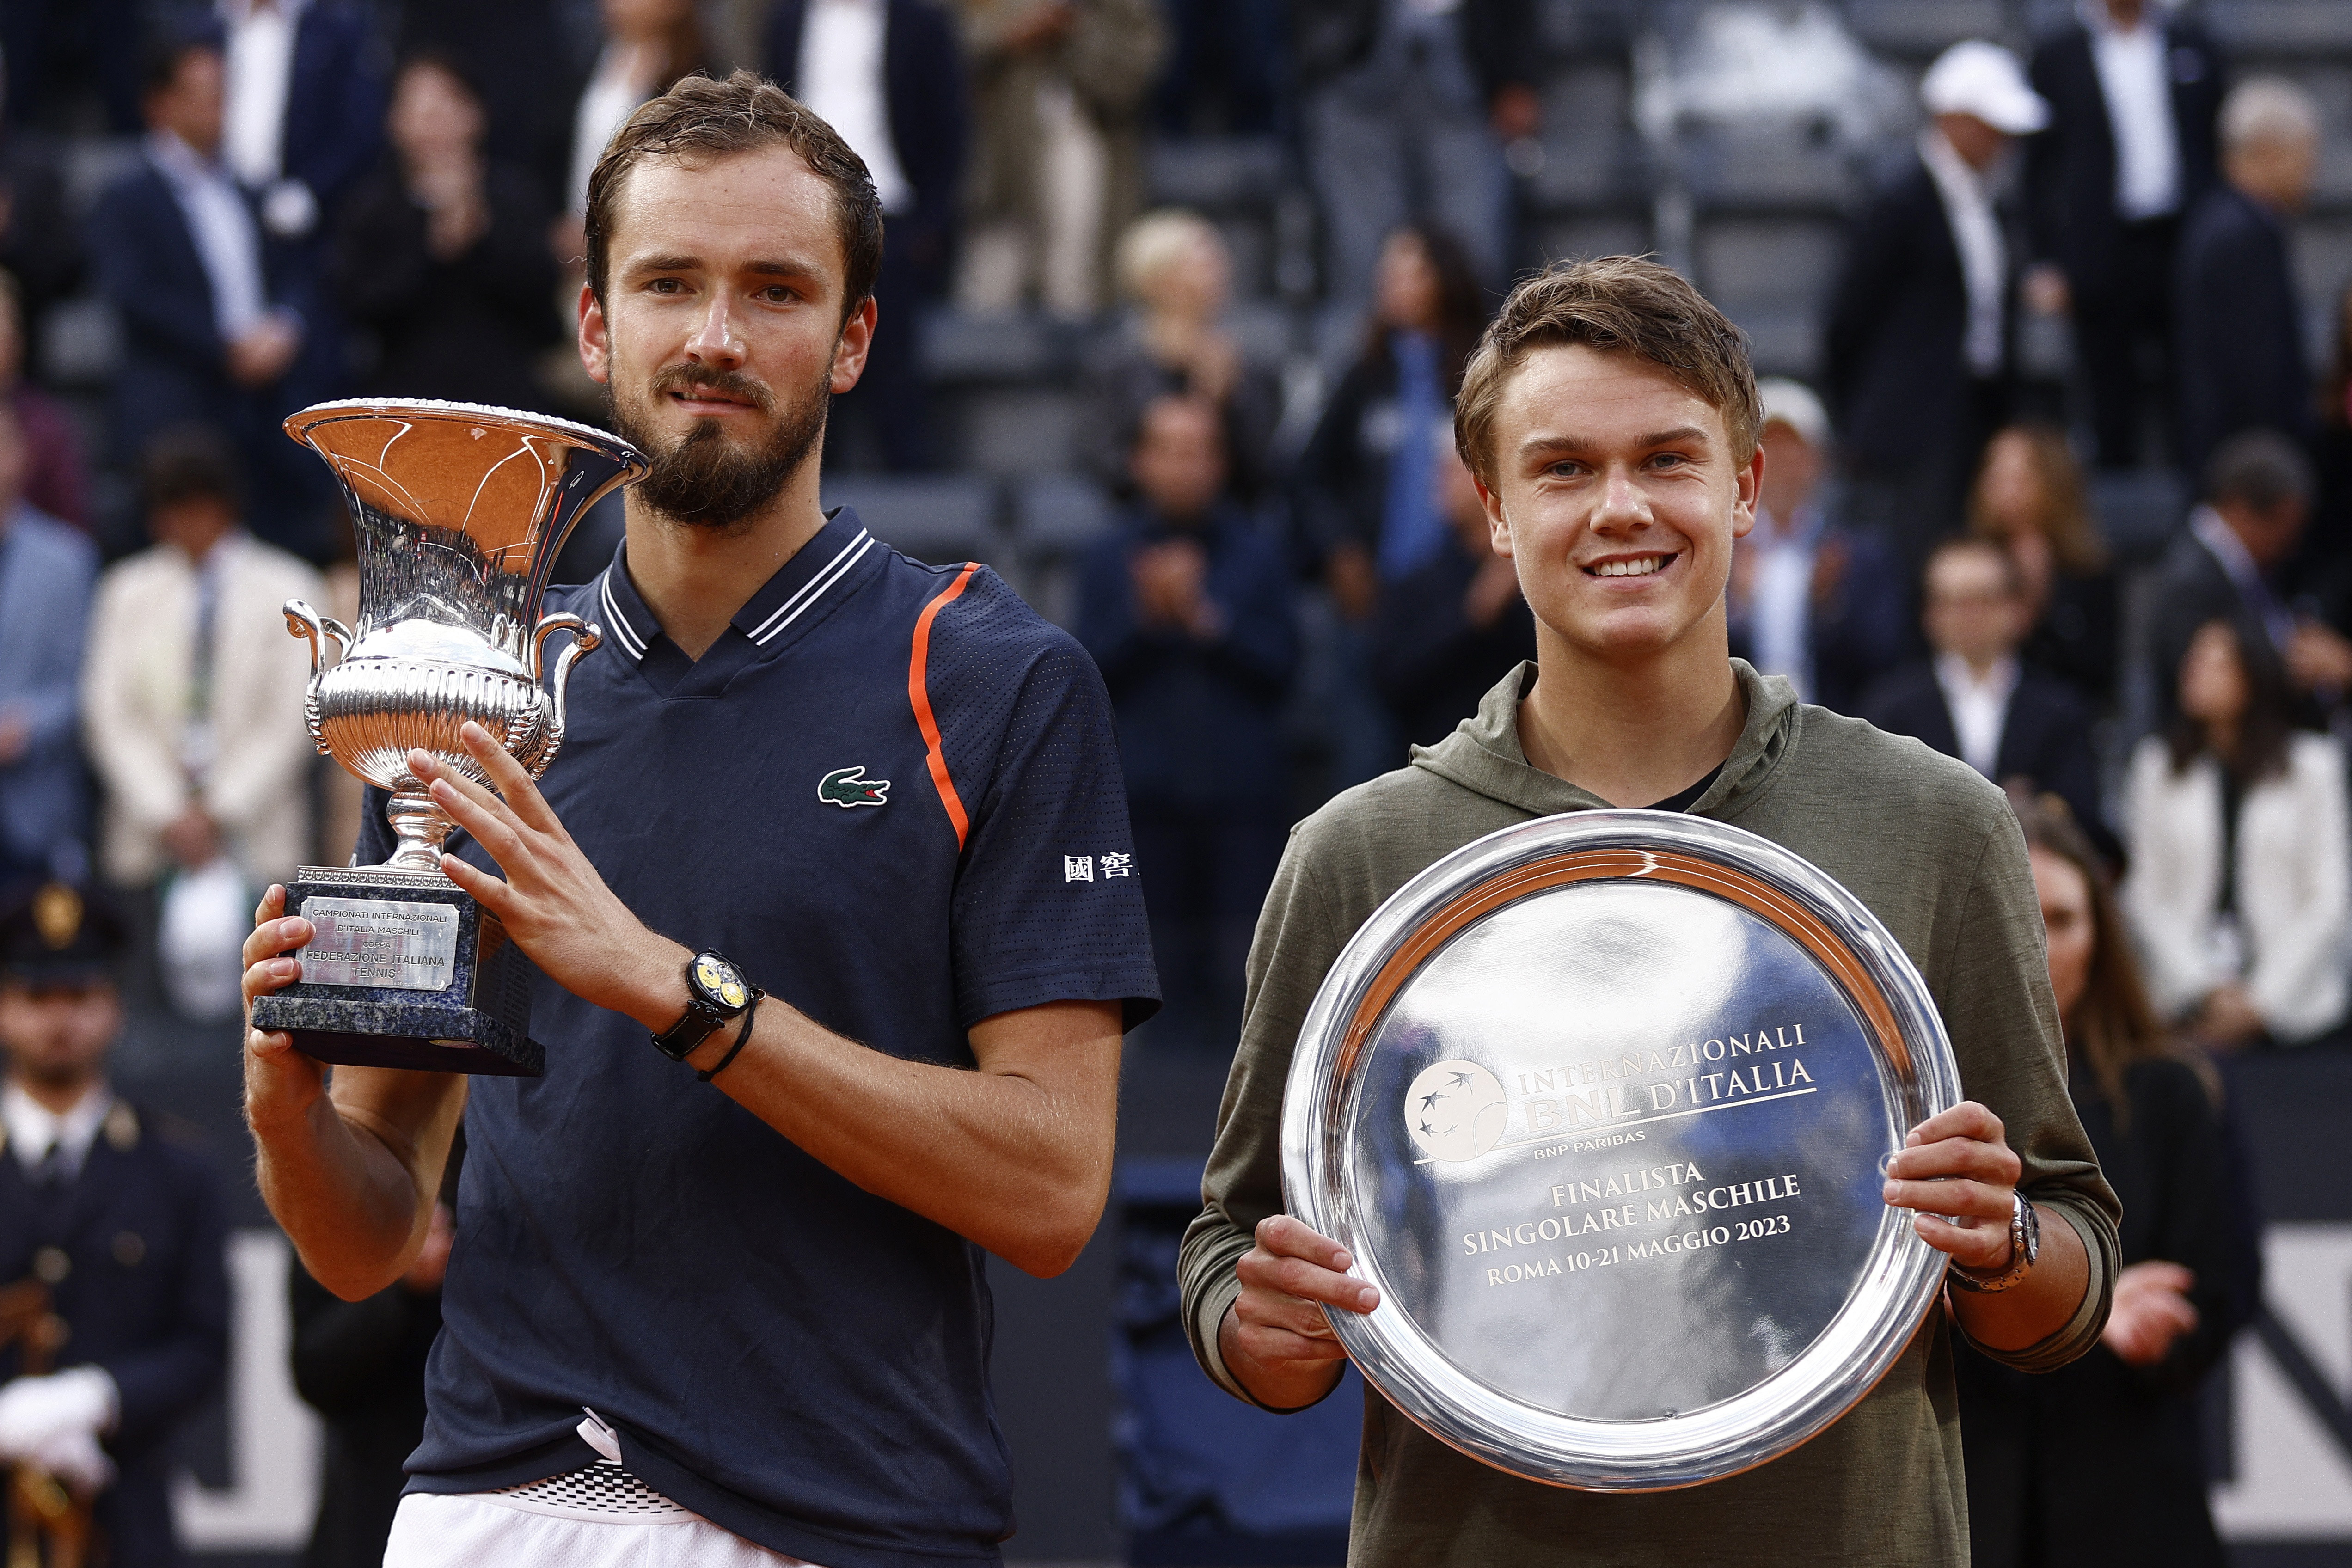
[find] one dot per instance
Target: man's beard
(706, 480)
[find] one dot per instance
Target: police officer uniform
(126, 1231)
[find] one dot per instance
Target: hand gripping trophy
(460, 511)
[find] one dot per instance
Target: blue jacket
(335, 98)
(47, 571)
(1199, 720)
(145, 1294)
(174, 360)
(2238, 345)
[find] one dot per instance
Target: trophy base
(407, 971)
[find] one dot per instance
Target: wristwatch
(716, 994)
(2024, 1247)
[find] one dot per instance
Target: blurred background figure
(55, 47)
(1227, 71)
(191, 700)
(645, 46)
(1186, 609)
(1921, 322)
(1175, 270)
(2028, 498)
(2241, 356)
(304, 97)
(1819, 604)
(361, 1365)
(2132, 94)
(2101, 1462)
(2241, 884)
(2323, 564)
(441, 255)
(888, 75)
(40, 242)
(1448, 631)
(56, 479)
(103, 1203)
(1060, 91)
(1407, 112)
(2225, 564)
(47, 571)
(180, 257)
(1368, 493)
(1976, 699)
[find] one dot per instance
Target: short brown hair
(1617, 304)
(702, 118)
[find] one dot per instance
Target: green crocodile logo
(844, 788)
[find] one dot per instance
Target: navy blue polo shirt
(891, 791)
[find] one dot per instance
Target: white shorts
(560, 1523)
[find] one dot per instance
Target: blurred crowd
(306, 199)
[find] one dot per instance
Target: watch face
(718, 977)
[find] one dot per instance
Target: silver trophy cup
(460, 511)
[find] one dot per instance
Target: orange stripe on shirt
(919, 697)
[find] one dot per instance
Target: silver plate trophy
(458, 512)
(1599, 1103)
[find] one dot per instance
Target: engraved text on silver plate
(368, 942)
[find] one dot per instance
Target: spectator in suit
(2240, 889)
(2131, 1490)
(1976, 699)
(56, 479)
(105, 1204)
(361, 1365)
(1366, 503)
(1921, 319)
(2241, 338)
(1407, 112)
(180, 257)
(192, 694)
(2225, 565)
(1060, 93)
(442, 255)
(1174, 265)
(1819, 604)
(2132, 94)
(1186, 608)
(888, 75)
(2028, 498)
(1448, 632)
(47, 571)
(304, 111)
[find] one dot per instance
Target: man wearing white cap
(1918, 359)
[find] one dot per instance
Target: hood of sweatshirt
(1482, 753)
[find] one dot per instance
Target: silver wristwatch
(2024, 1247)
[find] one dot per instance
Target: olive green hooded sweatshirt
(1934, 851)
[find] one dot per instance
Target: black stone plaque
(406, 970)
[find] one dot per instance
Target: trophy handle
(302, 621)
(584, 639)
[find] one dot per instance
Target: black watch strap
(681, 1039)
